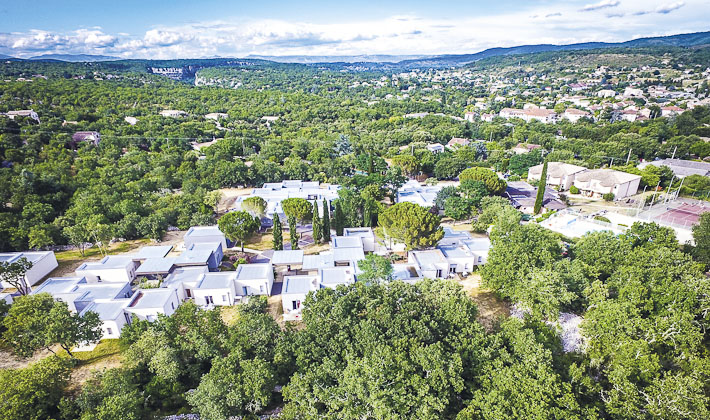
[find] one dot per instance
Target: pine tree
(326, 221)
(541, 189)
(293, 235)
(338, 219)
(278, 234)
(317, 228)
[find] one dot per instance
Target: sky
(162, 29)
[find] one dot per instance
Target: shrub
(573, 190)
(608, 197)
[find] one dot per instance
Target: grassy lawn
(260, 242)
(229, 314)
(107, 354)
(490, 308)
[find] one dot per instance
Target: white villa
(43, 262)
(559, 174)
(597, 182)
(413, 192)
(275, 192)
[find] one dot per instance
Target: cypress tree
(293, 235)
(317, 228)
(541, 189)
(278, 234)
(326, 221)
(338, 219)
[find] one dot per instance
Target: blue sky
(180, 29)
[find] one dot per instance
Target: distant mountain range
(315, 59)
(74, 58)
(680, 40)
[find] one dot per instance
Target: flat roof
(151, 298)
(204, 231)
(194, 257)
(253, 271)
(365, 232)
(58, 285)
(347, 242)
(478, 244)
(314, 262)
(288, 256)
(107, 310)
(453, 251)
(108, 262)
(183, 274)
(156, 265)
(299, 284)
(204, 246)
(427, 259)
(405, 271)
(348, 254)
(96, 291)
(216, 280)
(31, 256)
(337, 275)
(152, 251)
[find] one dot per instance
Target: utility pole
(655, 190)
(674, 150)
(628, 157)
(665, 199)
(641, 201)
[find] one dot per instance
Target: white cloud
(667, 8)
(406, 34)
(604, 4)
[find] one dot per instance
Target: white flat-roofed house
(313, 263)
(460, 259)
(152, 251)
(204, 234)
(172, 113)
(294, 292)
(43, 262)
(216, 289)
(413, 192)
(184, 281)
(254, 279)
(156, 268)
(431, 262)
(559, 174)
(112, 315)
(435, 148)
(147, 304)
(215, 250)
(408, 273)
(597, 182)
(288, 258)
(366, 234)
(334, 277)
(194, 257)
(78, 294)
(479, 247)
(347, 257)
(112, 268)
(453, 237)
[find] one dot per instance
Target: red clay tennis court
(685, 214)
